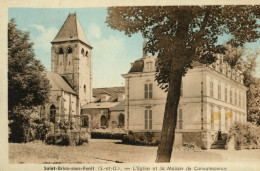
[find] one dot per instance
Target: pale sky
(112, 50)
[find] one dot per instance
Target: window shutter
(146, 91)
(150, 91)
(180, 118)
(150, 119)
(146, 119)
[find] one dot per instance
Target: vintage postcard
(129, 85)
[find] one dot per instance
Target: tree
(246, 63)
(180, 35)
(28, 86)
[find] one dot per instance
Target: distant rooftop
(112, 91)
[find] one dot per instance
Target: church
(70, 75)
(213, 97)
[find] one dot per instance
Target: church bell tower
(71, 58)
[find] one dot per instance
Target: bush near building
(68, 139)
(66, 134)
(26, 126)
(246, 135)
(148, 139)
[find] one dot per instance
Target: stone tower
(71, 58)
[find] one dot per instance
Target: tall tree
(181, 35)
(28, 85)
(245, 62)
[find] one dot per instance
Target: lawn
(110, 151)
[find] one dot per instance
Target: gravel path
(112, 151)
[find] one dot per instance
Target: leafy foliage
(68, 139)
(27, 82)
(26, 126)
(148, 139)
(180, 35)
(246, 63)
(28, 86)
(106, 135)
(66, 134)
(246, 135)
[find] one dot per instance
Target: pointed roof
(71, 30)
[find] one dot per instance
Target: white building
(212, 99)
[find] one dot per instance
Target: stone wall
(95, 116)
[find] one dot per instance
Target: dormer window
(121, 96)
(104, 96)
(61, 51)
(149, 66)
(69, 50)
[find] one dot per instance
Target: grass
(107, 151)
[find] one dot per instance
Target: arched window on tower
(121, 120)
(84, 88)
(69, 50)
(82, 51)
(86, 53)
(52, 113)
(61, 51)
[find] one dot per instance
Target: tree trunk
(178, 64)
(170, 118)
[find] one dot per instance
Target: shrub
(106, 135)
(20, 126)
(40, 128)
(246, 135)
(68, 139)
(147, 139)
(83, 139)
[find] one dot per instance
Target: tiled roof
(112, 91)
(101, 105)
(58, 83)
(120, 106)
(138, 66)
(71, 30)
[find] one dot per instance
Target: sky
(112, 51)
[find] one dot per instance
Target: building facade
(106, 112)
(212, 99)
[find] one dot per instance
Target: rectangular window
(148, 119)
(180, 121)
(226, 94)
(148, 91)
(149, 66)
(231, 94)
(211, 89)
(219, 92)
